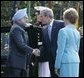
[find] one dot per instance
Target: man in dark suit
(50, 33)
(81, 52)
(19, 50)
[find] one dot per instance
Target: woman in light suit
(67, 58)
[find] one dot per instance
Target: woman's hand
(57, 71)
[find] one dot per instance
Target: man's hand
(36, 52)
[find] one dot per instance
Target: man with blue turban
(18, 47)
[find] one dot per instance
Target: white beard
(28, 24)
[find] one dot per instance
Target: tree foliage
(8, 7)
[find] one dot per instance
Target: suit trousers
(14, 72)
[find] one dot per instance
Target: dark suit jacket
(48, 50)
(81, 58)
(18, 47)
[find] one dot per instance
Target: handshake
(36, 52)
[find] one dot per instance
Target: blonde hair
(71, 15)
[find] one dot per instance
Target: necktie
(49, 31)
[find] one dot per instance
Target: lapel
(54, 29)
(46, 35)
(53, 32)
(24, 36)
